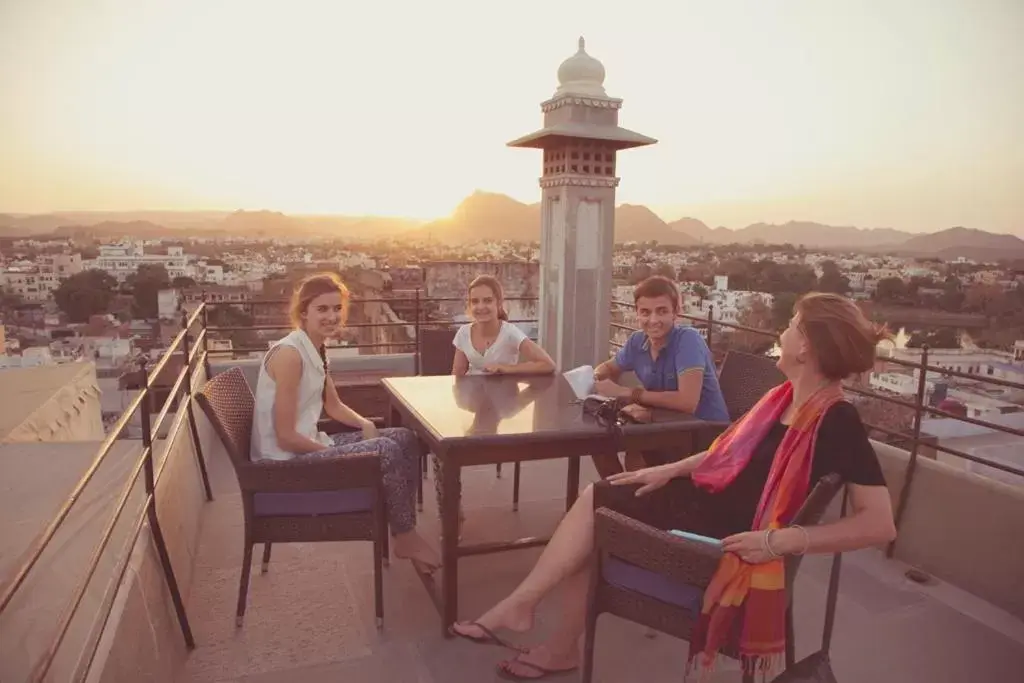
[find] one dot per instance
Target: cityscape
(151, 243)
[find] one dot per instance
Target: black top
(842, 447)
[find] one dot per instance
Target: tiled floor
(310, 619)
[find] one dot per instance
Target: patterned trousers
(399, 453)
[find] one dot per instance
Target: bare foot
(411, 546)
(507, 614)
(540, 662)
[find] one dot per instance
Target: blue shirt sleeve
(626, 356)
(691, 352)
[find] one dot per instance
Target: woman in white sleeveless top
(294, 389)
(492, 345)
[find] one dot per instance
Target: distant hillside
(967, 242)
(490, 216)
(41, 224)
(699, 230)
(493, 216)
(113, 229)
(485, 216)
(819, 235)
(151, 224)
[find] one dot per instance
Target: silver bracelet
(768, 544)
(807, 539)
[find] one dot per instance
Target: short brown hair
(841, 337)
(497, 290)
(655, 286)
(312, 287)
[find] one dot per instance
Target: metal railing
(145, 466)
(919, 407)
(418, 322)
(194, 349)
(193, 346)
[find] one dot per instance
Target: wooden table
(468, 421)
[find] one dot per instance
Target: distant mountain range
(151, 224)
(491, 216)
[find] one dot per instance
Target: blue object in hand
(696, 537)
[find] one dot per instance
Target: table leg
(572, 484)
(451, 494)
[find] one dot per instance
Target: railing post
(154, 521)
(908, 477)
(187, 400)
(711, 324)
(206, 337)
(416, 329)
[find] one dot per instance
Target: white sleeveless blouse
(309, 409)
(504, 350)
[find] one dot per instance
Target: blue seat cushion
(308, 503)
(639, 580)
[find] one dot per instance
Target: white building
(168, 302)
(978, 404)
(982, 442)
(122, 260)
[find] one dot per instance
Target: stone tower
(580, 139)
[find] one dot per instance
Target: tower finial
(582, 44)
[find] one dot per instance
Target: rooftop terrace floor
(310, 619)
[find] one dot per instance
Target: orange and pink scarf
(748, 601)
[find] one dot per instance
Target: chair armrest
(640, 544)
(328, 425)
(706, 434)
(331, 473)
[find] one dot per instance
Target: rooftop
(35, 399)
(310, 618)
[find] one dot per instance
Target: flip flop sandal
(489, 637)
(424, 568)
(542, 673)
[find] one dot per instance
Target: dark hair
(491, 283)
(655, 286)
(841, 337)
(309, 289)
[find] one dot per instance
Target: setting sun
(851, 113)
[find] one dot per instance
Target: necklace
(488, 342)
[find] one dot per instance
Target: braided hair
(309, 289)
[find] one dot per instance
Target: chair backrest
(744, 379)
(436, 351)
(229, 404)
(810, 513)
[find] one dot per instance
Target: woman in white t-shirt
(490, 345)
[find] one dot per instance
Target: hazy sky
(901, 113)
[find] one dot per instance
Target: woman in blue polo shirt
(672, 362)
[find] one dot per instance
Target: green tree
(230, 316)
(665, 270)
(85, 294)
(939, 338)
(890, 290)
(782, 309)
(700, 291)
(832, 279)
(640, 273)
(183, 282)
(758, 316)
(145, 284)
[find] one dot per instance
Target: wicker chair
(437, 354)
(654, 578)
(296, 501)
(744, 379)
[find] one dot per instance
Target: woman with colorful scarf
(744, 490)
